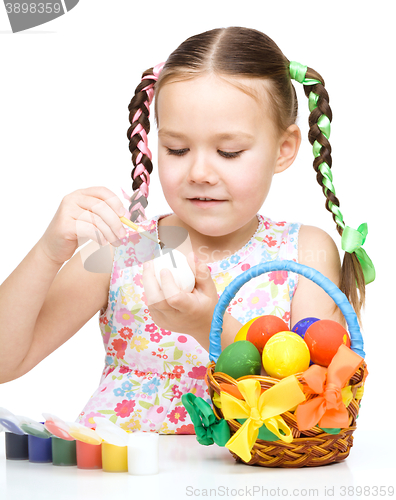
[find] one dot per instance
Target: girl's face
(215, 141)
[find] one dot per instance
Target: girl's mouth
(206, 203)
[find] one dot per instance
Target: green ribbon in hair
(352, 241)
(297, 72)
(207, 427)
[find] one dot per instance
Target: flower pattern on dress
(148, 369)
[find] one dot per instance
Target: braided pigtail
(139, 112)
(357, 269)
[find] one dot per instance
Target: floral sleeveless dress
(148, 369)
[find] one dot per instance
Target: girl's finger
(172, 293)
(86, 230)
(154, 294)
(108, 211)
(104, 194)
(99, 226)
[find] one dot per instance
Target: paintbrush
(134, 226)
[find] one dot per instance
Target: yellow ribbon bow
(260, 409)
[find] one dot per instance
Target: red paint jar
(89, 456)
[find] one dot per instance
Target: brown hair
(236, 52)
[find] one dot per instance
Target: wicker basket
(309, 448)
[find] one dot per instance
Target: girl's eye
(176, 152)
(181, 152)
(230, 155)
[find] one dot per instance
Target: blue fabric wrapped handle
(283, 265)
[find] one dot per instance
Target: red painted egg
(262, 329)
(323, 339)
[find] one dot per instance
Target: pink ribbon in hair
(143, 143)
(137, 206)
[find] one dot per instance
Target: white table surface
(190, 470)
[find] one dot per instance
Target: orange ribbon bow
(328, 409)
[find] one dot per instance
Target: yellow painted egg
(284, 354)
(241, 335)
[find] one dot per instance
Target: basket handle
(283, 265)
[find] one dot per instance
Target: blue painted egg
(302, 326)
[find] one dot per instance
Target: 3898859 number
(33, 8)
(367, 491)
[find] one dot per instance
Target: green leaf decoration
(167, 344)
(168, 394)
(145, 404)
(178, 353)
(263, 285)
(157, 401)
(106, 412)
(127, 289)
(274, 290)
(113, 419)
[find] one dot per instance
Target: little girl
(225, 108)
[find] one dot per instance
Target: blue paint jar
(40, 449)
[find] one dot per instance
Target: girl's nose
(202, 170)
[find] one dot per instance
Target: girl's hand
(178, 311)
(92, 213)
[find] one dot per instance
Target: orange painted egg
(323, 339)
(262, 329)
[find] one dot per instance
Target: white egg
(182, 273)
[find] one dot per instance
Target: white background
(64, 94)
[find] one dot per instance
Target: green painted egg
(239, 359)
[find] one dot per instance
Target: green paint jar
(63, 452)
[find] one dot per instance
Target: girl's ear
(288, 148)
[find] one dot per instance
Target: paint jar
(114, 458)
(16, 446)
(35, 428)
(57, 427)
(89, 456)
(40, 449)
(63, 451)
(143, 453)
(16, 441)
(89, 445)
